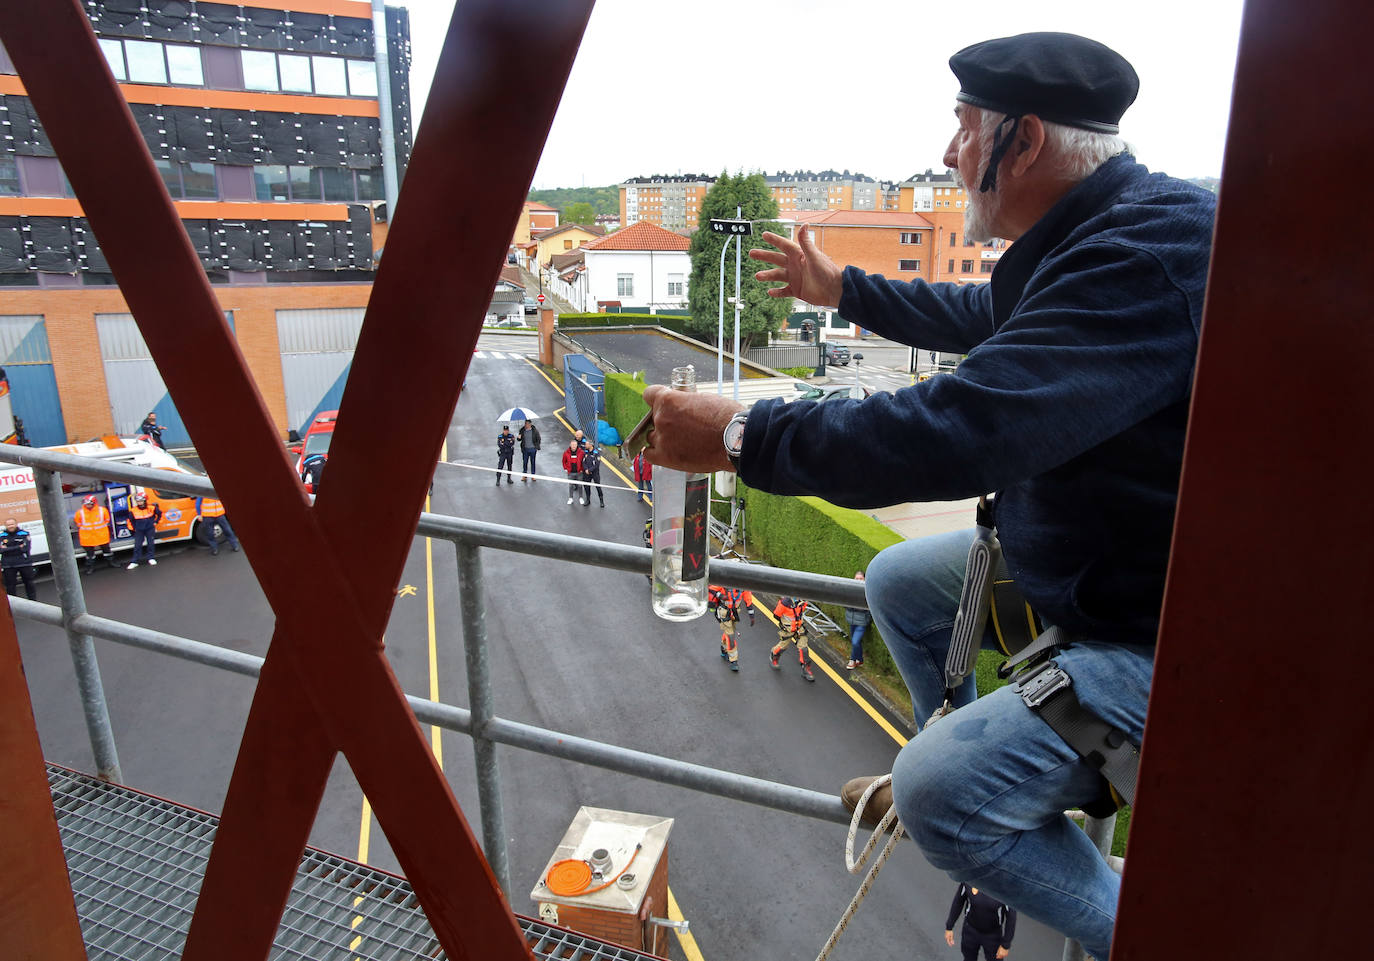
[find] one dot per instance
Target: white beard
(981, 211)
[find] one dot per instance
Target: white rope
(854, 865)
(561, 477)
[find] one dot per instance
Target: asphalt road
(574, 649)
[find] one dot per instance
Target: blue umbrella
(518, 413)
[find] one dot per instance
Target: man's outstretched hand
(689, 429)
(801, 268)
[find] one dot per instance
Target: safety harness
(1030, 646)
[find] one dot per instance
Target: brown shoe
(877, 805)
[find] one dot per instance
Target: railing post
(73, 603)
(474, 614)
(1100, 832)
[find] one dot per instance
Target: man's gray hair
(1075, 153)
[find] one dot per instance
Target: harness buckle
(1043, 682)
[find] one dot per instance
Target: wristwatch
(734, 436)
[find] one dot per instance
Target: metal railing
(479, 722)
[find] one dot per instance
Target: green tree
(578, 213)
(761, 313)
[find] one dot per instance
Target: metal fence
(479, 722)
(782, 357)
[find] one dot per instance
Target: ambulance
(180, 521)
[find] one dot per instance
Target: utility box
(617, 863)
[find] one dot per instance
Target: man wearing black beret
(1071, 405)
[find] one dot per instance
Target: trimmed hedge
(677, 324)
(624, 396)
(810, 534)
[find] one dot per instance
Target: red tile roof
(640, 236)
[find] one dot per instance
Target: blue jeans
(983, 791)
(645, 487)
(223, 522)
(527, 461)
(856, 641)
(145, 544)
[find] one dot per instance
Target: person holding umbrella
(527, 439)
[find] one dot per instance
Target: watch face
(734, 436)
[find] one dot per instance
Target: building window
(329, 76)
(911, 238)
(9, 175)
(908, 266)
(145, 62)
(305, 183)
(676, 285)
(295, 73)
(370, 186)
(43, 177)
(965, 266)
(567, 245)
(967, 242)
(951, 267)
(184, 66)
(986, 267)
(952, 241)
(362, 78)
(338, 184)
(188, 181)
(259, 70)
(114, 56)
(625, 285)
(271, 183)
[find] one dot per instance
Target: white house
(641, 265)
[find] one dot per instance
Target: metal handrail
(480, 724)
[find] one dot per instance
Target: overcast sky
(863, 84)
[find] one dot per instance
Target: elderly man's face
(966, 155)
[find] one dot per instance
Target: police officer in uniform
(14, 558)
(505, 454)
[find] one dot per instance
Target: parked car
(831, 391)
(531, 305)
(833, 353)
(510, 259)
(511, 322)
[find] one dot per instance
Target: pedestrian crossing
(498, 355)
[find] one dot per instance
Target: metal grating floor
(136, 864)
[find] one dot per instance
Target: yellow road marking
(685, 940)
(408, 590)
(436, 737)
(844, 685)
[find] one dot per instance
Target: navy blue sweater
(1071, 404)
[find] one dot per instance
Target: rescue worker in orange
(143, 522)
(726, 602)
(792, 629)
(211, 513)
(93, 532)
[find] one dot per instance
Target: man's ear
(1028, 144)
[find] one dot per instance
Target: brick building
(264, 119)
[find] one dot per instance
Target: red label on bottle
(694, 524)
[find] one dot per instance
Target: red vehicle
(317, 438)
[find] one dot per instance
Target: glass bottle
(682, 509)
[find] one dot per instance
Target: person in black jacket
(14, 558)
(143, 521)
(591, 473)
(154, 432)
(988, 924)
(505, 453)
(528, 435)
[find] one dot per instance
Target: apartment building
(827, 190)
(263, 117)
(671, 202)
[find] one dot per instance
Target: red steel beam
(326, 680)
(1250, 838)
(37, 912)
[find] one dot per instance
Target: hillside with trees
(603, 200)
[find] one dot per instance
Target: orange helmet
(89, 501)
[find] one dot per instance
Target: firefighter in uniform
(505, 454)
(211, 513)
(93, 532)
(726, 602)
(792, 629)
(143, 522)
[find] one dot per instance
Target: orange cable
(569, 878)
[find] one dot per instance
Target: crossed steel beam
(443, 257)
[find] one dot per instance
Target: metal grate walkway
(136, 864)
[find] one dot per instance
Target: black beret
(1059, 77)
